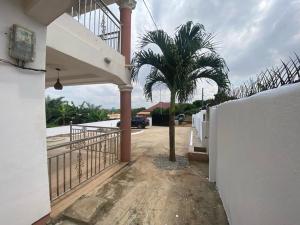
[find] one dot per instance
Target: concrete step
(85, 209)
(199, 149)
(198, 156)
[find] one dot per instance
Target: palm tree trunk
(172, 156)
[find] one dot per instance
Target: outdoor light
(58, 85)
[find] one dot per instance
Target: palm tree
(182, 61)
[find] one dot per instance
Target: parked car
(139, 122)
(180, 118)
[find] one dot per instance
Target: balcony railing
(90, 151)
(98, 18)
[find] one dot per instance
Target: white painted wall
(23, 163)
(150, 121)
(197, 122)
(205, 133)
(258, 157)
(212, 143)
(53, 131)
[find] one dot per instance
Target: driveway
(152, 190)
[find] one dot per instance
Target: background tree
(184, 59)
(61, 112)
(136, 110)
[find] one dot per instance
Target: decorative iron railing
(99, 19)
(287, 73)
(78, 132)
(92, 150)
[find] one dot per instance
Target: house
(114, 116)
(45, 43)
(160, 105)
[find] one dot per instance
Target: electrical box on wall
(22, 44)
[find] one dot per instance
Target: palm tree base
(172, 158)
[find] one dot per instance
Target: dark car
(139, 122)
(180, 118)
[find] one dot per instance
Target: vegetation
(61, 112)
(196, 106)
(136, 110)
(182, 61)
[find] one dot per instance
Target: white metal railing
(98, 18)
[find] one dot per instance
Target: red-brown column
(125, 101)
(126, 7)
(125, 18)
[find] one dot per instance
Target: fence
(287, 73)
(197, 122)
(90, 151)
(97, 17)
(78, 132)
(254, 157)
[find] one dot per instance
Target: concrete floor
(145, 194)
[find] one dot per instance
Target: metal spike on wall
(287, 73)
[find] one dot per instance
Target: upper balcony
(83, 41)
(99, 19)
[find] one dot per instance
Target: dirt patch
(148, 192)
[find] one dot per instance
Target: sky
(251, 35)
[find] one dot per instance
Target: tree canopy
(61, 112)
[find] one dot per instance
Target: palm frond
(191, 38)
(217, 75)
(157, 37)
(186, 90)
(146, 57)
(183, 60)
(164, 42)
(154, 77)
(210, 60)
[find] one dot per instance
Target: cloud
(251, 35)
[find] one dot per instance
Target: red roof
(160, 105)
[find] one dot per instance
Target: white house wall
(24, 190)
(258, 157)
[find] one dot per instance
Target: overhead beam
(46, 11)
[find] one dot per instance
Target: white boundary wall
(197, 122)
(24, 188)
(212, 144)
(255, 149)
(53, 131)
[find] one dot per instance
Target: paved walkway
(150, 191)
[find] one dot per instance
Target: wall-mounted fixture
(22, 44)
(107, 60)
(58, 85)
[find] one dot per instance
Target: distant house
(114, 116)
(160, 105)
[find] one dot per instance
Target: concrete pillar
(125, 126)
(126, 7)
